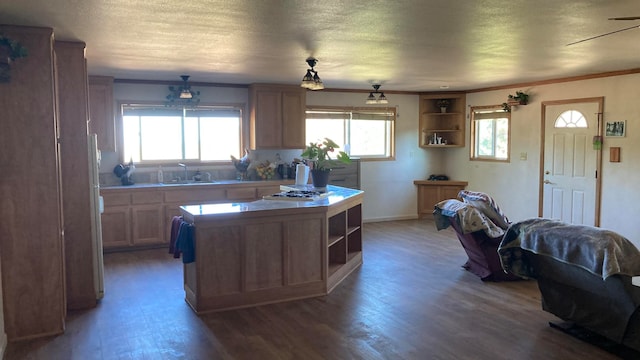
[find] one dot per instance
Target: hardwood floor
(410, 300)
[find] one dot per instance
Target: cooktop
(297, 195)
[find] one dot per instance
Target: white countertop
(337, 194)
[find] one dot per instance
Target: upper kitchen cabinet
(102, 121)
(277, 116)
(442, 120)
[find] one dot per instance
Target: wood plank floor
(410, 300)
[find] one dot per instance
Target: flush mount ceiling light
(381, 99)
(183, 95)
(311, 80)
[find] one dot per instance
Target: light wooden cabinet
(33, 284)
(116, 227)
(432, 192)
(440, 129)
(147, 225)
(102, 121)
(73, 109)
(277, 116)
(141, 217)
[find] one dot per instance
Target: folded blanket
(599, 251)
(467, 216)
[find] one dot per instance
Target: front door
(569, 180)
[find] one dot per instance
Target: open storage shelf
(447, 126)
(344, 243)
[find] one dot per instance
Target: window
(571, 118)
(490, 133)
(366, 133)
(155, 134)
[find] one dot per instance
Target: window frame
(473, 136)
(351, 109)
(244, 128)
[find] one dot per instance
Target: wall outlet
(523, 156)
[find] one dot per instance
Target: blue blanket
(601, 252)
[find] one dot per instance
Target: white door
(569, 174)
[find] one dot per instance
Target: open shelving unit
(344, 244)
(449, 125)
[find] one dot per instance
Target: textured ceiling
(412, 45)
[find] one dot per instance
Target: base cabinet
(141, 217)
(116, 227)
(432, 192)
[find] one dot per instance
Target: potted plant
(318, 156)
(520, 98)
(443, 104)
(10, 50)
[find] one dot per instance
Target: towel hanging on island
(184, 243)
(181, 241)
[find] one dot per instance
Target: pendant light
(311, 80)
(381, 99)
(182, 95)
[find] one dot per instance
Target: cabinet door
(266, 120)
(101, 119)
(450, 192)
(116, 227)
(148, 225)
(293, 119)
(428, 197)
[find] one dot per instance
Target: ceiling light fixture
(311, 80)
(182, 95)
(371, 99)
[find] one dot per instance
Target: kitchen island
(267, 251)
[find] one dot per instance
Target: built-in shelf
(442, 129)
(344, 243)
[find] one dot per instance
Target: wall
(388, 185)
(515, 184)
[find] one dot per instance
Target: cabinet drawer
(194, 195)
(116, 198)
(241, 193)
(146, 197)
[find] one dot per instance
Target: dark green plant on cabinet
(10, 50)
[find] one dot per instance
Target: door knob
(546, 182)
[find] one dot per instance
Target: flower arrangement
(318, 155)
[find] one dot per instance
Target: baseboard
(393, 218)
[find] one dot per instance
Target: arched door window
(571, 119)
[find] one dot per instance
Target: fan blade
(609, 33)
(626, 18)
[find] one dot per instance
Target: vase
(320, 177)
(443, 109)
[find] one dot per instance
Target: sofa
(584, 274)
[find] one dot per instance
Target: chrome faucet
(185, 170)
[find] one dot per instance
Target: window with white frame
(490, 133)
(156, 134)
(367, 133)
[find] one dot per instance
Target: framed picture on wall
(615, 128)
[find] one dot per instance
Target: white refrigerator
(97, 208)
